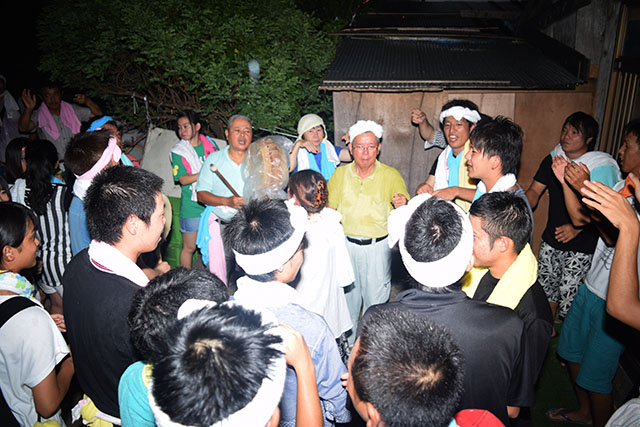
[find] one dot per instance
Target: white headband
(260, 410)
(459, 113)
(364, 126)
(439, 273)
(276, 258)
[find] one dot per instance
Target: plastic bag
(266, 168)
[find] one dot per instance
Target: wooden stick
(224, 181)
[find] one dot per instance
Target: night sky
(19, 51)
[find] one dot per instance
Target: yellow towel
(515, 282)
(146, 374)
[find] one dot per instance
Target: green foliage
(190, 54)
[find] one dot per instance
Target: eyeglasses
(361, 148)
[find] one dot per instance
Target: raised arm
(622, 297)
(25, 124)
(82, 99)
(419, 118)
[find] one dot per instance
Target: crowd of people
(290, 322)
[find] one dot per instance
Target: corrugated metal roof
(395, 63)
(402, 14)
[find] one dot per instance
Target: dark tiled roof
(400, 63)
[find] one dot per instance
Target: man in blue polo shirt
(212, 191)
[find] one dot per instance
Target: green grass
(554, 387)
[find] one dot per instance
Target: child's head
(14, 158)
(18, 241)
(42, 161)
(499, 137)
(310, 190)
(84, 150)
(188, 125)
(220, 365)
(266, 236)
(107, 123)
(5, 195)
(155, 307)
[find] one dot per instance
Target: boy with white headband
(435, 239)
(223, 366)
(448, 177)
(266, 237)
(87, 155)
(494, 158)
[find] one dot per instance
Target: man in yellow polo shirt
(364, 192)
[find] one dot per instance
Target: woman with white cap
(313, 151)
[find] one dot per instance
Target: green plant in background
(190, 54)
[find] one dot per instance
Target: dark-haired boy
(506, 270)
(567, 248)
(221, 366)
(435, 239)
(591, 341)
(266, 237)
(154, 310)
(125, 215)
(448, 176)
(406, 370)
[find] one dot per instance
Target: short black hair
(114, 195)
(633, 128)
(213, 364)
(258, 227)
(504, 214)
(85, 149)
(49, 84)
(433, 231)
(155, 307)
(13, 226)
(409, 368)
(499, 137)
(586, 125)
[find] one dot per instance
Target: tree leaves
(190, 54)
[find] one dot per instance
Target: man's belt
(364, 242)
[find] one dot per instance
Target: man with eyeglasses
(365, 192)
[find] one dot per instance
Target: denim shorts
(189, 225)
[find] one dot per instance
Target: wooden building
(533, 61)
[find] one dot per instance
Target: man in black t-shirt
(506, 270)
(566, 248)
(125, 215)
(435, 239)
